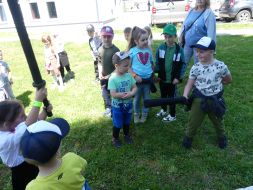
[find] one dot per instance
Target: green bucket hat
(170, 29)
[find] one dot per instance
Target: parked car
(240, 10)
(165, 11)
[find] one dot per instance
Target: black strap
(195, 20)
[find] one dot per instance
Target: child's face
(127, 36)
(142, 42)
(169, 39)
(204, 56)
(123, 66)
(107, 40)
(91, 33)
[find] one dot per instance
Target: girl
(52, 61)
(150, 36)
(141, 69)
(13, 123)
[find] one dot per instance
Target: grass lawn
(156, 160)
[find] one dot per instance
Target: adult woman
(199, 22)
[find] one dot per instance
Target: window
(2, 13)
(35, 11)
(51, 10)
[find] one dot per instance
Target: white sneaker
(107, 112)
(169, 118)
(161, 113)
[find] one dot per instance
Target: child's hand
(127, 95)
(138, 79)
(41, 94)
(49, 108)
(175, 81)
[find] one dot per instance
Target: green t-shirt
(122, 83)
(67, 176)
(105, 59)
(168, 62)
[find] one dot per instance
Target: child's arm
(188, 87)
(40, 95)
(43, 113)
(115, 94)
(227, 79)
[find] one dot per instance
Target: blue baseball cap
(42, 139)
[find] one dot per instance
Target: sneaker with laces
(128, 139)
(116, 143)
(144, 117)
(169, 118)
(136, 118)
(161, 113)
(107, 112)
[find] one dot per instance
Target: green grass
(156, 160)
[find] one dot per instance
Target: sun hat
(90, 28)
(205, 43)
(107, 31)
(170, 29)
(42, 139)
(119, 56)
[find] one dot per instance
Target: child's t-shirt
(142, 61)
(9, 146)
(67, 176)
(208, 78)
(122, 83)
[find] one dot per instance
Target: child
(207, 77)
(13, 123)
(127, 34)
(52, 62)
(169, 61)
(94, 43)
(40, 146)
(141, 69)
(5, 80)
(63, 58)
(105, 65)
(150, 36)
(122, 88)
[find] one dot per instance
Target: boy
(105, 65)
(169, 61)
(207, 77)
(40, 146)
(122, 88)
(94, 43)
(127, 34)
(5, 80)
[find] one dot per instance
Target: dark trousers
(62, 70)
(115, 131)
(167, 90)
(105, 93)
(22, 175)
(96, 69)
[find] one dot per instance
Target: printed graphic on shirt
(143, 57)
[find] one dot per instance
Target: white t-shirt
(9, 146)
(208, 78)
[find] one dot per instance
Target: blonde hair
(207, 4)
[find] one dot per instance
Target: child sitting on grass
(207, 77)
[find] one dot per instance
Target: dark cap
(205, 43)
(42, 139)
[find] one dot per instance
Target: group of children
(30, 146)
(131, 76)
(56, 59)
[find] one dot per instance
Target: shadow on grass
(24, 97)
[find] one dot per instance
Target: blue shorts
(122, 115)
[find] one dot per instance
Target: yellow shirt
(67, 177)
